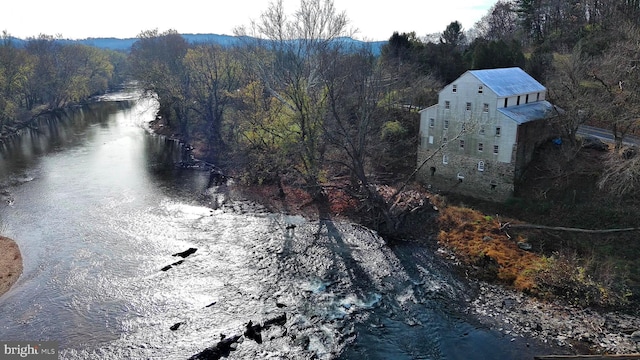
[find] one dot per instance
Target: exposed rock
(215, 352)
(254, 332)
(172, 265)
(582, 330)
(186, 253)
(176, 326)
(524, 245)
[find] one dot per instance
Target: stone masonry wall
(461, 175)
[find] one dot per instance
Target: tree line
(46, 74)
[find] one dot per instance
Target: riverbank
(575, 330)
(581, 330)
(10, 264)
(515, 314)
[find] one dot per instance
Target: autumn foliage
(477, 241)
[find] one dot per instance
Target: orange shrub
(474, 237)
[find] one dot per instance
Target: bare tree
(213, 76)
(618, 76)
(500, 23)
(292, 67)
(570, 88)
(621, 177)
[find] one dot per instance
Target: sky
(75, 19)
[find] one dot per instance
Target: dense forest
(293, 105)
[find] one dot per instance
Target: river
(98, 208)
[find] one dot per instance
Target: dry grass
(475, 237)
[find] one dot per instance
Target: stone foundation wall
(461, 175)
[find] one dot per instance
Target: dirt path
(10, 264)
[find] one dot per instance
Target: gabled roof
(508, 81)
(529, 112)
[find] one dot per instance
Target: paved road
(605, 135)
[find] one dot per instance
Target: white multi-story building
(483, 131)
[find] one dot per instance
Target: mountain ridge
(124, 44)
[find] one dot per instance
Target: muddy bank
(10, 264)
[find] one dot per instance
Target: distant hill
(223, 40)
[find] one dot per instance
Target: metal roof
(508, 81)
(529, 112)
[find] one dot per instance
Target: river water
(98, 209)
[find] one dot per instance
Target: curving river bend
(98, 208)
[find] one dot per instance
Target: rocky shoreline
(582, 331)
(10, 264)
(576, 330)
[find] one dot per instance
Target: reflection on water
(98, 209)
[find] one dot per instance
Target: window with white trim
(485, 108)
(498, 130)
(480, 165)
(445, 159)
(480, 89)
(432, 122)
(454, 88)
(446, 124)
(480, 147)
(461, 144)
(481, 130)
(468, 106)
(495, 149)
(447, 105)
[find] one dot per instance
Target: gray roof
(529, 112)
(508, 81)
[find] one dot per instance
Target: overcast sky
(75, 19)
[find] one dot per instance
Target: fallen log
(562, 228)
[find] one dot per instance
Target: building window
(461, 144)
(444, 139)
(430, 139)
(538, 97)
(454, 88)
(485, 107)
(506, 101)
(481, 129)
(468, 106)
(495, 149)
(447, 105)
(481, 165)
(526, 99)
(460, 177)
(480, 147)
(498, 130)
(480, 89)
(432, 122)
(445, 159)
(446, 124)
(518, 101)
